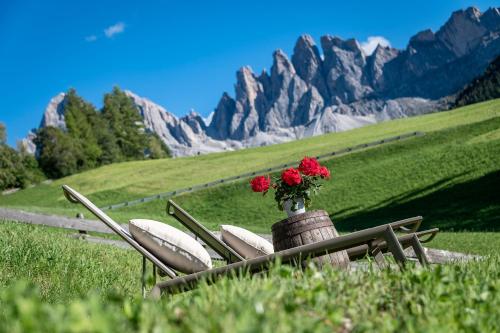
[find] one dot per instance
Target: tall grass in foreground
(51, 283)
(451, 298)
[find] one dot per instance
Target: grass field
(442, 176)
(82, 287)
(125, 181)
(450, 176)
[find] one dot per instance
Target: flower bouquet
(295, 186)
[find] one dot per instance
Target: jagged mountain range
(337, 89)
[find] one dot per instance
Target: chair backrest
(199, 230)
(75, 197)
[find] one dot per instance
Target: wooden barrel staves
(309, 227)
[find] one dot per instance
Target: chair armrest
(69, 197)
(407, 226)
(431, 233)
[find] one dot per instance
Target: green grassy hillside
(450, 176)
(125, 181)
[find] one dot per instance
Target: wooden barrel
(306, 228)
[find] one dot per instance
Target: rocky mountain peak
(219, 128)
(247, 85)
(343, 69)
(462, 31)
(54, 112)
(353, 46)
(305, 41)
(195, 121)
(374, 70)
(423, 36)
(473, 13)
(281, 63)
(308, 64)
(330, 43)
(491, 19)
(306, 57)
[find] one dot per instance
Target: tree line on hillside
(483, 88)
(17, 168)
(91, 138)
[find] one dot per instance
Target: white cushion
(244, 242)
(172, 246)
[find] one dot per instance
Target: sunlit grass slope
(451, 177)
(362, 181)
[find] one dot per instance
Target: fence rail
(253, 173)
(81, 225)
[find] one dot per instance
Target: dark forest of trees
(483, 88)
(92, 138)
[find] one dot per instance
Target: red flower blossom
(324, 172)
(291, 177)
(260, 183)
(309, 166)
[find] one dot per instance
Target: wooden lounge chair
(297, 254)
(407, 226)
(383, 233)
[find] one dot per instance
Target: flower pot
(292, 209)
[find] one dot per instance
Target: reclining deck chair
(407, 226)
(383, 233)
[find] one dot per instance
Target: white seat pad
(244, 242)
(172, 246)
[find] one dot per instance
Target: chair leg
(378, 256)
(395, 247)
(419, 251)
(143, 277)
(376, 253)
(154, 274)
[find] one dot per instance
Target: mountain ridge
(313, 93)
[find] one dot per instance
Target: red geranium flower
(324, 172)
(260, 183)
(291, 177)
(309, 166)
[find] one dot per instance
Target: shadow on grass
(473, 205)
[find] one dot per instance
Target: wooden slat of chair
(203, 233)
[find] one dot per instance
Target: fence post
(81, 217)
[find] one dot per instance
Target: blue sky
(181, 54)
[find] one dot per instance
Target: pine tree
(125, 124)
(81, 119)
(110, 152)
(157, 148)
